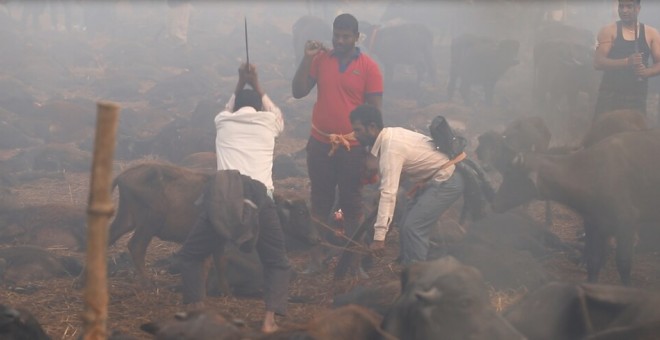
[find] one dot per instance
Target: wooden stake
(99, 210)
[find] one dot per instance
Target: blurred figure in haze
(179, 20)
(624, 59)
(56, 7)
(346, 79)
(32, 10)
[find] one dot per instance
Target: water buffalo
(378, 298)
(200, 325)
(478, 60)
(21, 264)
(50, 158)
(586, 311)
(157, 199)
(612, 184)
(284, 165)
(562, 70)
(306, 28)
(609, 123)
(445, 299)
(555, 30)
(174, 141)
(19, 324)
(347, 322)
(403, 44)
(523, 134)
(496, 150)
(44, 225)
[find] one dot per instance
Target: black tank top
(625, 80)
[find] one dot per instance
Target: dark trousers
(340, 173)
(203, 241)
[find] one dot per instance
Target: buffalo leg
(121, 224)
(137, 246)
(595, 250)
(624, 255)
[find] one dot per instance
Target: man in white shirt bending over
(404, 151)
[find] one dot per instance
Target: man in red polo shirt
(346, 78)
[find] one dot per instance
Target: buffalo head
(198, 324)
(444, 299)
(19, 324)
(296, 220)
(518, 186)
(490, 150)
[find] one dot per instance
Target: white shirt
(246, 138)
(402, 150)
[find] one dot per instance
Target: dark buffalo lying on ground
(158, 200)
(609, 123)
(403, 44)
(613, 185)
(377, 298)
(307, 28)
(517, 231)
(199, 325)
(445, 299)
(586, 311)
(284, 165)
(175, 141)
(479, 61)
(22, 264)
(51, 225)
(19, 324)
(562, 70)
(201, 161)
(508, 261)
(12, 137)
(48, 158)
(347, 322)
(242, 273)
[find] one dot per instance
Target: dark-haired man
(624, 58)
(400, 151)
(246, 132)
(346, 78)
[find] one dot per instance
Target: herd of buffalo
(514, 86)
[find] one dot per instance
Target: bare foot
(269, 325)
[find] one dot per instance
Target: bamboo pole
(99, 211)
